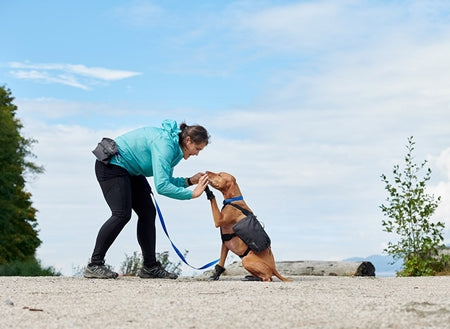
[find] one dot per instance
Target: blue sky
(307, 103)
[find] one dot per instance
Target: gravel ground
(308, 302)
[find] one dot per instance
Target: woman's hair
(198, 134)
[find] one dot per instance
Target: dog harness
(229, 236)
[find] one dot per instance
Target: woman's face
(190, 148)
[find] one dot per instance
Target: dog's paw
(219, 270)
(209, 193)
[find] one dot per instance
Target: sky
(307, 103)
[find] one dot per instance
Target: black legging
(123, 193)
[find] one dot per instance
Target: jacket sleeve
(163, 154)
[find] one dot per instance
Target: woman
(144, 152)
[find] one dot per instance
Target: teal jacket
(152, 151)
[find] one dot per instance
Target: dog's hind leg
(257, 268)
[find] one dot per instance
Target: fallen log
(316, 268)
(326, 268)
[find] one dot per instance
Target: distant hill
(383, 266)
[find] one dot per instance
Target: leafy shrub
(409, 212)
(131, 265)
(30, 267)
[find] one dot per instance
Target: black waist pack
(251, 231)
(105, 150)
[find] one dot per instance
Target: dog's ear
(231, 181)
(228, 184)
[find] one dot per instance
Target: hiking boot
(156, 272)
(96, 271)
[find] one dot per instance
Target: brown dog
(262, 264)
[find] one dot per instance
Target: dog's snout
(210, 174)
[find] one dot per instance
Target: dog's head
(221, 181)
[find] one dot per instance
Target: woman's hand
(201, 181)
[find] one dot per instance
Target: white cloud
(140, 14)
(67, 74)
(295, 25)
(315, 27)
(53, 109)
(47, 78)
(442, 188)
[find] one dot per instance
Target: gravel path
(308, 302)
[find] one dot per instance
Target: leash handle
(161, 219)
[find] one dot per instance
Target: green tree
(29, 267)
(409, 210)
(18, 226)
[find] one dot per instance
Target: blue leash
(161, 219)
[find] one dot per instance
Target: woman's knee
(122, 215)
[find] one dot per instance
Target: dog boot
(209, 193)
(219, 270)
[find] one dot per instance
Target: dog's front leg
(217, 215)
(220, 267)
(223, 255)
